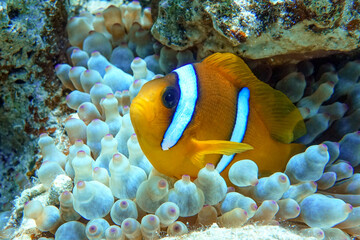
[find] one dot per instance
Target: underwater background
(307, 49)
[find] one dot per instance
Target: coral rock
(299, 29)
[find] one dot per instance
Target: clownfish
(216, 112)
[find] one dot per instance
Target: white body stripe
(239, 128)
(185, 108)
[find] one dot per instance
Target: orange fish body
(182, 124)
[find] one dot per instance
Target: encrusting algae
(144, 158)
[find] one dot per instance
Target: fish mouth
(139, 112)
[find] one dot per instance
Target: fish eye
(170, 97)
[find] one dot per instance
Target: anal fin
(216, 147)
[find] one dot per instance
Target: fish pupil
(170, 97)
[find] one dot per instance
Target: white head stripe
(239, 130)
(185, 108)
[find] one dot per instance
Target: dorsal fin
(279, 114)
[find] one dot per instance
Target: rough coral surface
(246, 232)
(259, 29)
(30, 40)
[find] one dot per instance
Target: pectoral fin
(216, 147)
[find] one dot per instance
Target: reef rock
(32, 39)
(278, 29)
